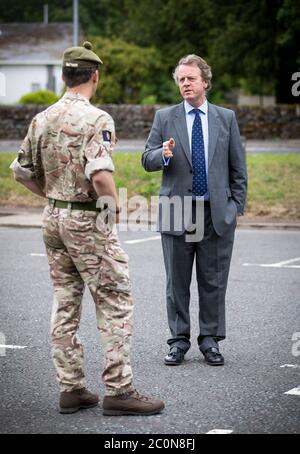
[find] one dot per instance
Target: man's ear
(62, 77)
(96, 76)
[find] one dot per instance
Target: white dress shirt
(190, 116)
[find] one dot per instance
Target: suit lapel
(181, 128)
(213, 131)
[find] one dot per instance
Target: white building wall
(59, 84)
(16, 80)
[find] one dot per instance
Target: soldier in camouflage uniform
(66, 157)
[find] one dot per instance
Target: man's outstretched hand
(168, 148)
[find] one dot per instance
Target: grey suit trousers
(213, 255)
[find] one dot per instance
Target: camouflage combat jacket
(64, 146)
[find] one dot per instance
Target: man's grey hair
(195, 60)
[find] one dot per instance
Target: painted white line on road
(286, 262)
(13, 346)
(219, 432)
(291, 365)
(33, 254)
(294, 391)
(265, 265)
(151, 238)
(283, 264)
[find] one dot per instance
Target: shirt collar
(188, 108)
(73, 95)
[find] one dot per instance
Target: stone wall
(134, 121)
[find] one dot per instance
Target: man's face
(191, 85)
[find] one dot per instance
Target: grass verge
(274, 184)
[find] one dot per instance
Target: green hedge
(39, 97)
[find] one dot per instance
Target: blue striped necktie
(198, 157)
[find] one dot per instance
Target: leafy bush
(149, 100)
(130, 74)
(39, 97)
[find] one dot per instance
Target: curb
(268, 225)
(241, 226)
(32, 219)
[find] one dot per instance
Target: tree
(126, 71)
(254, 45)
(288, 39)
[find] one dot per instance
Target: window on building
(35, 86)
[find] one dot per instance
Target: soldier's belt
(87, 206)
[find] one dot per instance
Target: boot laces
(138, 396)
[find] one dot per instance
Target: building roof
(34, 42)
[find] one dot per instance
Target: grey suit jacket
(227, 173)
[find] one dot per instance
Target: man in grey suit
(198, 147)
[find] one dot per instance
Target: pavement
(277, 146)
(257, 391)
(32, 218)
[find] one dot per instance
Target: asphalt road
(247, 395)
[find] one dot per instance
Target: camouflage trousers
(81, 253)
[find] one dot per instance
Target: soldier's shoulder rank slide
(106, 135)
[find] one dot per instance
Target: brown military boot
(131, 403)
(72, 401)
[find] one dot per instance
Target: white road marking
(294, 391)
(150, 238)
(291, 365)
(12, 346)
(286, 262)
(219, 432)
(283, 264)
(33, 254)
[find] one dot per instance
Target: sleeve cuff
(21, 172)
(102, 163)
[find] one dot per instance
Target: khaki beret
(80, 57)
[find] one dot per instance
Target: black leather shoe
(213, 357)
(174, 357)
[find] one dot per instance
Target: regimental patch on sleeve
(106, 135)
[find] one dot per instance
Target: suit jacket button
(191, 171)
(189, 190)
